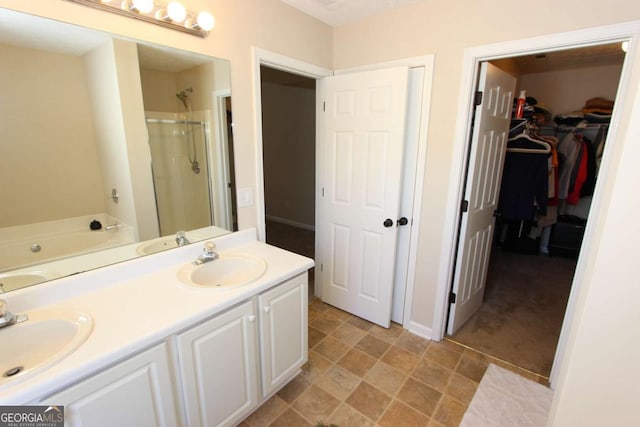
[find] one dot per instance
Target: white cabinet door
(219, 368)
(136, 392)
(283, 326)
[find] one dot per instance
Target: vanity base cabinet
(219, 369)
(136, 392)
(283, 332)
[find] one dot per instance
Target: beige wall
(288, 129)
(566, 91)
(159, 90)
(45, 123)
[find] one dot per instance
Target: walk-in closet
(556, 144)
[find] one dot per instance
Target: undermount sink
(157, 245)
(45, 338)
(229, 270)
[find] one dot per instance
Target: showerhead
(184, 97)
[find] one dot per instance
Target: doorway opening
(569, 97)
(288, 104)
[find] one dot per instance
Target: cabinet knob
(251, 317)
(267, 309)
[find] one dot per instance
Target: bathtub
(31, 244)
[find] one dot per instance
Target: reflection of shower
(191, 143)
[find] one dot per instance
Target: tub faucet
(208, 254)
(113, 226)
(7, 318)
(181, 239)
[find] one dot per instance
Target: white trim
(420, 330)
(290, 222)
(223, 174)
(472, 57)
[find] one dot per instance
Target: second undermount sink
(229, 270)
(45, 338)
(13, 281)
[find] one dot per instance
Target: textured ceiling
(339, 12)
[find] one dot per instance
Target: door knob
(387, 222)
(403, 221)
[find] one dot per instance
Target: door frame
(293, 66)
(427, 62)
(624, 103)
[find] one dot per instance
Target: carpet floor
(506, 399)
(523, 309)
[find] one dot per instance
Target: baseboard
(290, 222)
(420, 330)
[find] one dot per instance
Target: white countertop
(136, 304)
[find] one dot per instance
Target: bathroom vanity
(167, 352)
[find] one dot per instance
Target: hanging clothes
(525, 180)
(568, 152)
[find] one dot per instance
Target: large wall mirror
(110, 149)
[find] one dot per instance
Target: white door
(364, 136)
(488, 144)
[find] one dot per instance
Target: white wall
(567, 90)
(45, 123)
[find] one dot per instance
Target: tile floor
(360, 374)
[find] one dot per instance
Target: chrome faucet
(181, 239)
(208, 254)
(7, 318)
(113, 226)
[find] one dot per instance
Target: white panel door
(364, 136)
(488, 145)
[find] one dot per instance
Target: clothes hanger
(546, 146)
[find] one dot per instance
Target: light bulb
(176, 11)
(624, 46)
(206, 21)
(142, 6)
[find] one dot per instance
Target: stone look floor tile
(390, 334)
(373, 346)
(399, 414)
(315, 404)
(316, 365)
(412, 343)
(290, 418)
(471, 368)
(442, 355)
(386, 378)
(369, 400)
(400, 359)
(357, 362)
(267, 413)
(338, 382)
(449, 412)
(295, 388)
(326, 323)
(348, 334)
(346, 416)
(432, 374)
(331, 348)
(339, 314)
(315, 336)
(365, 325)
(461, 388)
(419, 396)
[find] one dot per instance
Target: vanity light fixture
(171, 14)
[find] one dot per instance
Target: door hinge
(322, 191)
(477, 100)
(324, 105)
(464, 207)
(452, 298)
(321, 267)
